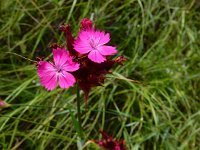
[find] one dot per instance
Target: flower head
(108, 143)
(58, 72)
(93, 42)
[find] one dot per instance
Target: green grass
(159, 38)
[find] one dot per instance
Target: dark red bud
(69, 39)
(86, 24)
(108, 143)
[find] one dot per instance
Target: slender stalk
(78, 105)
(79, 111)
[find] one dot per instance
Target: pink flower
(93, 42)
(58, 72)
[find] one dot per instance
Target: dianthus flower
(92, 42)
(58, 72)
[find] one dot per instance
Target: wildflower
(90, 73)
(108, 143)
(58, 72)
(93, 42)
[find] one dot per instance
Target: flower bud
(86, 24)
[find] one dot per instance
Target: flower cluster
(85, 61)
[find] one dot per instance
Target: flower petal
(96, 56)
(44, 67)
(82, 43)
(47, 75)
(71, 67)
(107, 50)
(103, 37)
(82, 47)
(60, 56)
(66, 80)
(49, 82)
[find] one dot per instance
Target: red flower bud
(108, 143)
(69, 39)
(86, 24)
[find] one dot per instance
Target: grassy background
(160, 39)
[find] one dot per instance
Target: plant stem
(78, 105)
(79, 111)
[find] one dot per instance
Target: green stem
(79, 111)
(78, 105)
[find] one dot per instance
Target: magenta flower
(93, 42)
(58, 72)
